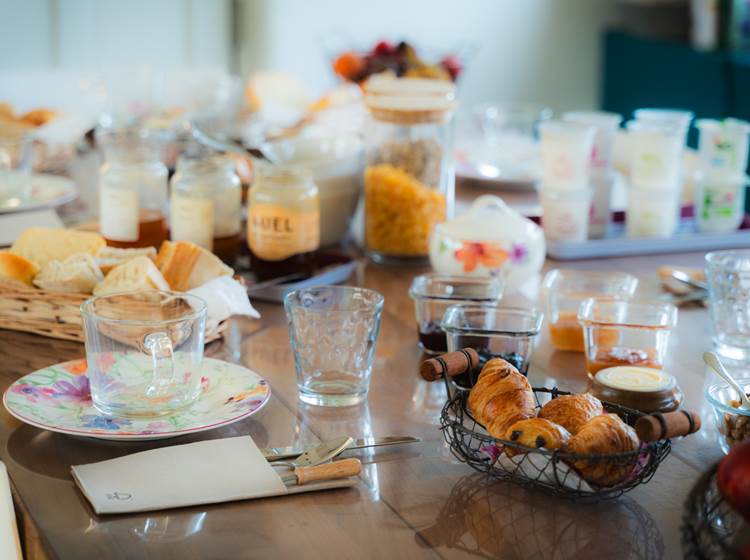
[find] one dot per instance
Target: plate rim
(71, 194)
(135, 437)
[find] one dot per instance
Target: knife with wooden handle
(327, 471)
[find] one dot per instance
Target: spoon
(713, 361)
(222, 145)
(689, 280)
(317, 455)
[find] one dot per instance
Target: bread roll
(139, 273)
(110, 257)
(78, 274)
(186, 266)
(604, 435)
(572, 411)
(42, 245)
(16, 270)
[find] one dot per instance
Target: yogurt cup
(566, 150)
(657, 154)
(605, 125)
(602, 181)
(565, 214)
(723, 147)
(720, 203)
(652, 212)
(670, 117)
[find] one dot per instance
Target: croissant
(501, 397)
(604, 434)
(497, 376)
(572, 411)
(536, 433)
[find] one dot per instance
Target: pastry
(38, 117)
(501, 397)
(536, 433)
(78, 273)
(186, 266)
(603, 435)
(42, 245)
(139, 273)
(572, 411)
(16, 270)
(110, 257)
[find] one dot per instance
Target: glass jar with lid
(132, 187)
(283, 224)
(205, 203)
(409, 178)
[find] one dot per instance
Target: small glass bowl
(566, 289)
(494, 332)
(434, 293)
(733, 423)
(625, 333)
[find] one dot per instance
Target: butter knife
(281, 453)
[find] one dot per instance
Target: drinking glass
(333, 331)
(728, 274)
(144, 351)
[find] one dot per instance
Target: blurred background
(573, 54)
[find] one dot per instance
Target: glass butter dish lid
(641, 388)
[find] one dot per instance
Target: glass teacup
(144, 351)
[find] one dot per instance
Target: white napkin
(10, 546)
(205, 472)
(224, 297)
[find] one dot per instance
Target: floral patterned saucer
(57, 398)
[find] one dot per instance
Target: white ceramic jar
(490, 239)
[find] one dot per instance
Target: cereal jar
(409, 178)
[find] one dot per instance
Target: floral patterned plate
(57, 398)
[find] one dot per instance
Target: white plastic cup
(652, 212)
(657, 154)
(602, 181)
(723, 147)
(719, 204)
(565, 214)
(672, 117)
(605, 125)
(566, 149)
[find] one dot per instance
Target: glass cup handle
(162, 357)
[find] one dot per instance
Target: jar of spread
(205, 204)
(409, 178)
(132, 187)
(283, 223)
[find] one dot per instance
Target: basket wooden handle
(328, 471)
(449, 365)
(668, 425)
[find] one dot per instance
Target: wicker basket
(52, 314)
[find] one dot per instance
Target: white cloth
(224, 297)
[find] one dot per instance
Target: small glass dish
(494, 332)
(732, 421)
(566, 289)
(434, 293)
(625, 333)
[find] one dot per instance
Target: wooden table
(414, 501)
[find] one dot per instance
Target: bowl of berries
(398, 58)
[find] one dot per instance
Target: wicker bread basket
(52, 314)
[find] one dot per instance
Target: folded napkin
(10, 545)
(205, 472)
(224, 297)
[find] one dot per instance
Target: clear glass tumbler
(728, 274)
(144, 351)
(333, 331)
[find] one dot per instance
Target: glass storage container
(409, 178)
(283, 223)
(205, 205)
(132, 187)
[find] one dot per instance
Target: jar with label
(205, 204)
(132, 188)
(283, 224)
(409, 178)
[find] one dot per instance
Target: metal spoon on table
(680, 276)
(713, 361)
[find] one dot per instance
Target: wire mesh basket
(556, 472)
(711, 529)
